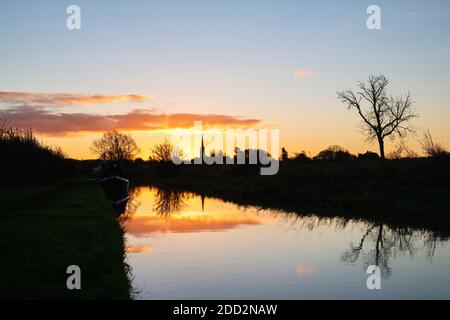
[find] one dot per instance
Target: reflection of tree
(378, 245)
(431, 242)
(132, 205)
(385, 243)
(168, 202)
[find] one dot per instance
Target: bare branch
(114, 145)
(383, 116)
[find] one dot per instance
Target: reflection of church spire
(203, 202)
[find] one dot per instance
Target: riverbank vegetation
(25, 159)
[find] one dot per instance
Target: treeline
(25, 159)
(332, 153)
(430, 148)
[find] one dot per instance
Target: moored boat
(111, 176)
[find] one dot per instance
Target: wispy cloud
(64, 99)
(46, 122)
(300, 73)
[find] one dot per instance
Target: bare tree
(382, 115)
(401, 150)
(162, 152)
(431, 147)
(114, 145)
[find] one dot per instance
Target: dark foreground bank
(45, 229)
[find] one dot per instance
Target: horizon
(227, 158)
(234, 65)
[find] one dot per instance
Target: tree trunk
(381, 143)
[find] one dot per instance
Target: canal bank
(46, 229)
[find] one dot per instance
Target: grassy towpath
(44, 229)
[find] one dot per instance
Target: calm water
(183, 246)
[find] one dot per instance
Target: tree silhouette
(163, 152)
(383, 116)
(284, 154)
(114, 145)
(431, 147)
(334, 153)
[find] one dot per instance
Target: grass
(47, 228)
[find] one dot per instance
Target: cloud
(299, 74)
(51, 123)
(66, 99)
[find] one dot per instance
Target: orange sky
(78, 146)
(73, 120)
(241, 64)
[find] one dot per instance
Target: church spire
(202, 151)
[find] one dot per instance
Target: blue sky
(235, 58)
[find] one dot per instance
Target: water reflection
(169, 201)
(132, 204)
(220, 244)
(166, 216)
(379, 244)
(305, 271)
(139, 249)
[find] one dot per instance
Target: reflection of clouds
(186, 223)
(305, 271)
(160, 211)
(139, 249)
(169, 211)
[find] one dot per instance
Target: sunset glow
(227, 75)
(191, 218)
(225, 158)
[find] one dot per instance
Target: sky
(148, 67)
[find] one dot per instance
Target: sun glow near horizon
(186, 140)
(282, 68)
(78, 146)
